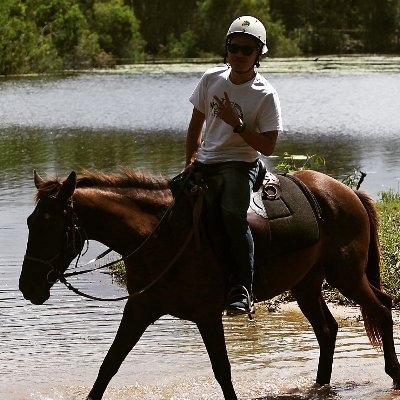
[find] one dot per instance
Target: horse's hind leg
(376, 308)
(212, 332)
(309, 297)
(392, 366)
(135, 320)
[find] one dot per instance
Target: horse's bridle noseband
(72, 232)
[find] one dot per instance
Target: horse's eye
(46, 216)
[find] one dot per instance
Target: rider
(242, 117)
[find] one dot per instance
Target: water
(105, 122)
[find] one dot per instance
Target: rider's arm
(263, 142)
(193, 138)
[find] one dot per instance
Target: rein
(62, 277)
(137, 293)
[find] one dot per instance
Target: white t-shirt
(257, 104)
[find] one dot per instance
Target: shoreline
(326, 64)
(357, 64)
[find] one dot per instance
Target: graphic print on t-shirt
(235, 106)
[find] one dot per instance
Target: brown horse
(169, 273)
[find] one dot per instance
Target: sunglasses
(245, 50)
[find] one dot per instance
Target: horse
(169, 270)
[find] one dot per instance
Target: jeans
(238, 180)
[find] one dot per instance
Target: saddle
(291, 210)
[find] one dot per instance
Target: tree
(22, 47)
(215, 17)
(381, 19)
(118, 30)
(62, 20)
(161, 20)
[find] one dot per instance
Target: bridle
(71, 233)
(73, 230)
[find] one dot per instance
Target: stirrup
(239, 302)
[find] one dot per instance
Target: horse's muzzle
(36, 294)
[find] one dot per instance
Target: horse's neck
(117, 220)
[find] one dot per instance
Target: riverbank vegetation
(389, 236)
(51, 35)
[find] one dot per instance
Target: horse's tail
(373, 270)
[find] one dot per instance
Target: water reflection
(63, 150)
(57, 152)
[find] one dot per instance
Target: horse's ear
(37, 179)
(67, 188)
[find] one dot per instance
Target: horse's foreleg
(212, 332)
(134, 322)
(309, 297)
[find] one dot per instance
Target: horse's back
(343, 212)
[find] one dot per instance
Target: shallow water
(53, 352)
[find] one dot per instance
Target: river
(107, 121)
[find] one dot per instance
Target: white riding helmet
(251, 26)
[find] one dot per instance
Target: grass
(389, 237)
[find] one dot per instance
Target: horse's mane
(125, 179)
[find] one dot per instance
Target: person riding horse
(242, 117)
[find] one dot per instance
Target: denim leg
(238, 183)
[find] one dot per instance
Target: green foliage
(118, 30)
(185, 46)
(63, 24)
(340, 27)
(300, 163)
(118, 272)
(279, 44)
(48, 35)
(389, 237)
(21, 45)
(390, 196)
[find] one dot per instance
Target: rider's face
(242, 52)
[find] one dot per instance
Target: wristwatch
(239, 128)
